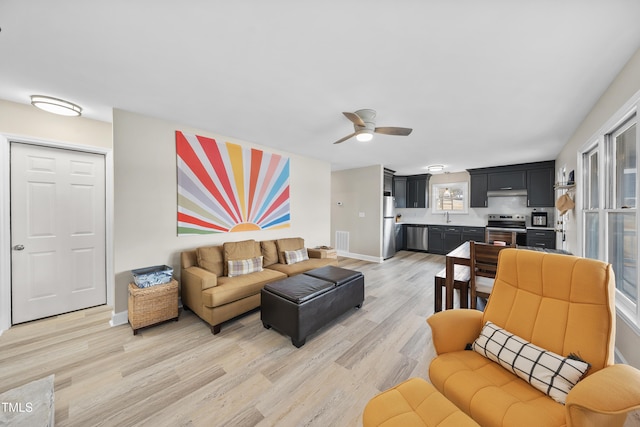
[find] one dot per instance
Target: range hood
(507, 193)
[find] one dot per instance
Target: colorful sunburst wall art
(223, 187)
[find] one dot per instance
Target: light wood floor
(179, 374)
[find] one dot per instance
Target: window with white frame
(610, 223)
(451, 197)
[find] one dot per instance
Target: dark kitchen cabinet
(436, 239)
(512, 180)
(417, 186)
(473, 233)
(541, 238)
(452, 238)
(400, 191)
(537, 178)
(411, 191)
(540, 187)
(478, 190)
(443, 238)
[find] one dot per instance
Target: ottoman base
(300, 305)
(414, 402)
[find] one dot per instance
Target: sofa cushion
(211, 258)
(269, 252)
(288, 244)
(238, 267)
(548, 372)
(230, 289)
(292, 257)
(491, 395)
(245, 249)
(301, 267)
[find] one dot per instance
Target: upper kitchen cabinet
(387, 187)
(536, 178)
(411, 191)
(479, 187)
(417, 189)
(540, 187)
(507, 180)
(400, 191)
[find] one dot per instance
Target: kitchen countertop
(450, 224)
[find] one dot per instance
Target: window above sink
(452, 197)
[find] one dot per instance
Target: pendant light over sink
(56, 105)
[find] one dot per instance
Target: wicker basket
(155, 304)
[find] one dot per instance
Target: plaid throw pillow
(238, 267)
(291, 257)
(548, 372)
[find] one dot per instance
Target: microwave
(538, 219)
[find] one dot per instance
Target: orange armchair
(561, 303)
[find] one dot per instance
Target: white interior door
(57, 231)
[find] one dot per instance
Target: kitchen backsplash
(477, 216)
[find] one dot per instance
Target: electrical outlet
(361, 214)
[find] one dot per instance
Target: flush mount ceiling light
(435, 168)
(55, 105)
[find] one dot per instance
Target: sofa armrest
(193, 281)
(604, 397)
(199, 279)
(452, 330)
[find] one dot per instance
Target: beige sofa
(215, 297)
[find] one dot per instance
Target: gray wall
(359, 191)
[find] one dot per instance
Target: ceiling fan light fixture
(364, 136)
(435, 168)
(55, 105)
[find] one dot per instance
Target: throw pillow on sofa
(548, 372)
(243, 250)
(239, 267)
(292, 257)
(288, 244)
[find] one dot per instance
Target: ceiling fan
(364, 126)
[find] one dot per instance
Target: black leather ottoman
(302, 304)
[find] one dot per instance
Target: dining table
(461, 256)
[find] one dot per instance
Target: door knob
(18, 247)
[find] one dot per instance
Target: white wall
(146, 199)
(360, 192)
(625, 85)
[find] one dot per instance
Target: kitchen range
(508, 228)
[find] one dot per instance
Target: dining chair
(483, 259)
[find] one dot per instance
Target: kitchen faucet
(447, 217)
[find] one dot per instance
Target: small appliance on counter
(538, 219)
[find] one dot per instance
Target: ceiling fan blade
(345, 138)
(354, 118)
(393, 131)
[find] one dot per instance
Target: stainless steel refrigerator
(388, 227)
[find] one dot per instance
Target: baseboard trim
(117, 319)
(360, 257)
